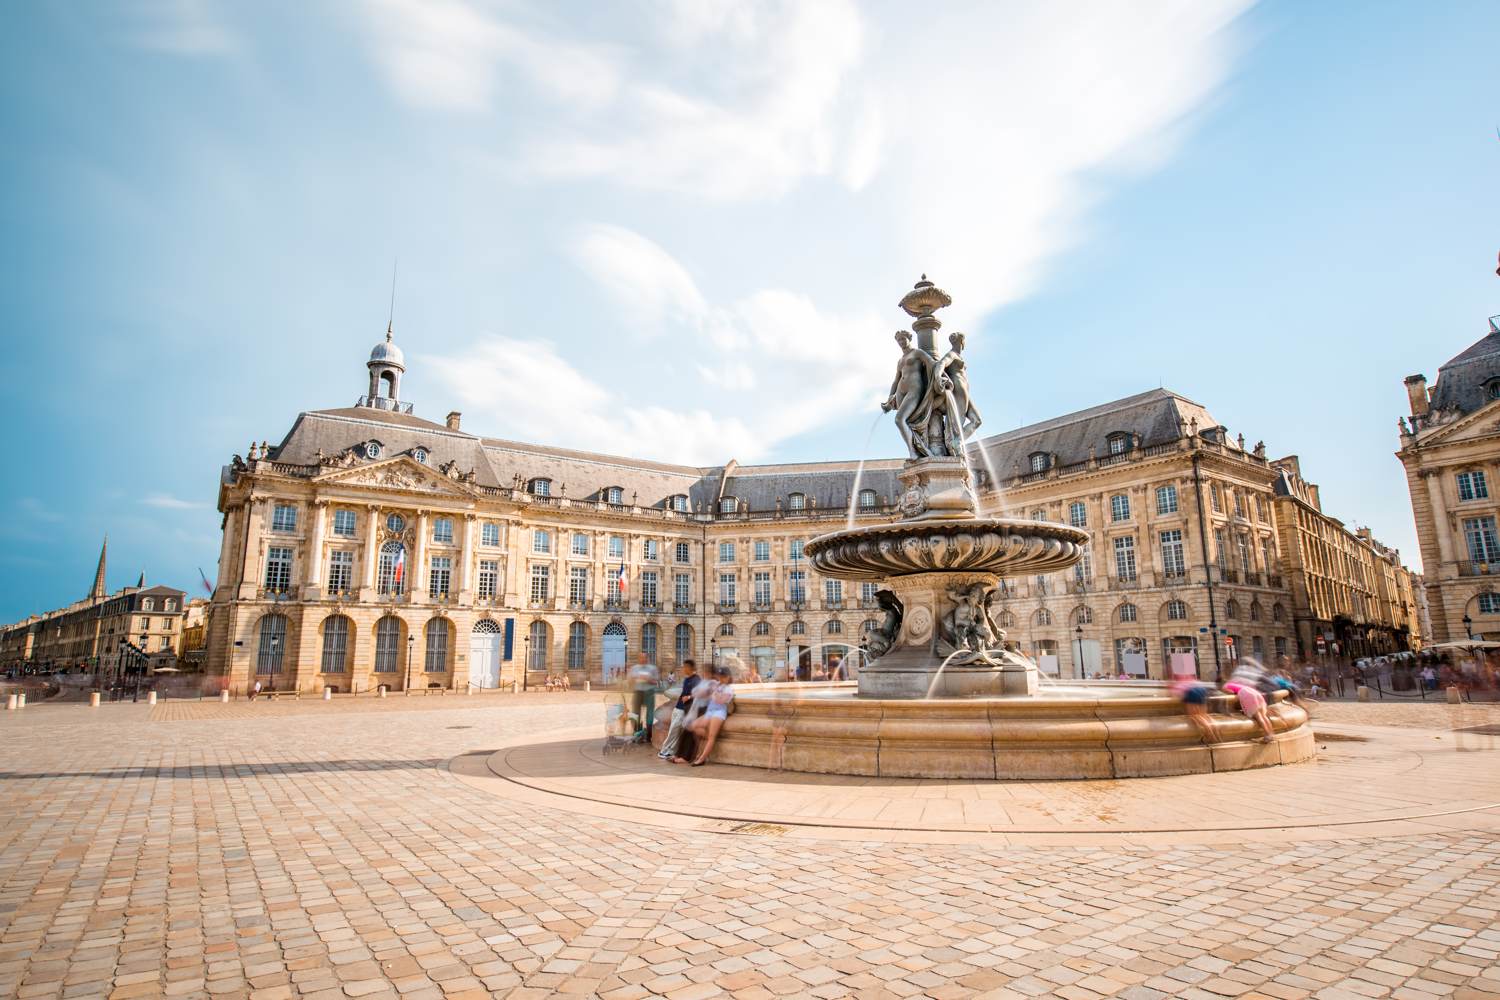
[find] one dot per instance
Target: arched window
(537, 647)
(762, 628)
(1231, 609)
(797, 628)
(387, 644)
(392, 575)
(867, 500)
(271, 646)
(486, 626)
(728, 505)
(683, 641)
(1489, 603)
(726, 629)
(649, 635)
(1007, 620)
(335, 644)
(540, 487)
(1127, 613)
(1255, 611)
(147, 604)
(169, 605)
(578, 645)
(614, 495)
(438, 632)
(796, 501)
(1043, 616)
(1277, 612)
(1176, 611)
(869, 626)
(1083, 616)
(833, 627)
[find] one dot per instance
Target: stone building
(88, 633)
(373, 547)
(1450, 447)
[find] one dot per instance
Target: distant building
(1450, 446)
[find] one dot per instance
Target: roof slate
(1461, 382)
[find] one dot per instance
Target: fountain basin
(1003, 546)
(1090, 729)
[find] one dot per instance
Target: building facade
(1450, 448)
(372, 547)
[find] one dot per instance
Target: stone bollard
(328, 694)
(588, 685)
(21, 700)
(93, 699)
(1454, 696)
(12, 702)
(151, 697)
(224, 696)
(469, 689)
(515, 687)
(1362, 693)
(382, 690)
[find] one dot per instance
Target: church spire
(98, 589)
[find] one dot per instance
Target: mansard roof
(329, 433)
(1461, 382)
(1157, 416)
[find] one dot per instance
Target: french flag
(399, 573)
(623, 580)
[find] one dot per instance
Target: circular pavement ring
(1366, 782)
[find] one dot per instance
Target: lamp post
(1078, 632)
(526, 662)
(1468, 626)
(135, 694)
(411, 643)
(713, 652)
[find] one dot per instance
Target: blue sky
(679, 231)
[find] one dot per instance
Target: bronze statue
(880, 641)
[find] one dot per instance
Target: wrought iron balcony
(760, 605)
(728, 607)
(684, 607)
(1478, 568)
(578, 605)
(616, 604)
(651, 607)
(834, 605)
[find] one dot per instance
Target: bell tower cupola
(386, 364)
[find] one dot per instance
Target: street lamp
(1468, 626)
(1078, 631)
(526, 662)
(713, 653)
(411, 642)
(135, 695)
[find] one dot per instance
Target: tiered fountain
(942, 693)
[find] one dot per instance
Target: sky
(679, 231)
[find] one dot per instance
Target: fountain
(942, 693)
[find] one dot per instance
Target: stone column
(314, 574)
(1440, 524)
(372, 552)
(255, 508)
(465, 564)
(418, 588)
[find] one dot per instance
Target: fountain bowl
(1080, 730)
(1002, 546)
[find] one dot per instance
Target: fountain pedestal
(936, 488)
(914, 667)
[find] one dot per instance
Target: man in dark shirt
(690, 680)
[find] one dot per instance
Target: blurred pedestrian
(1193, 693)
(643, 681)
(690, 680)
(706, 729)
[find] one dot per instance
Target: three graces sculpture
(930, 398)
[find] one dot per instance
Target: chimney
(453, 418)
(1416, 391)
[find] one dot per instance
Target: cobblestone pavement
(332, 853)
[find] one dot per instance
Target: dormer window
(867, 500)
(420, 454)
(539, 487)
(1119, 443)
(1039, 461)
(728, 505)
(679, 503)
(372, 449)
(614, 495)
(796, 501)
(1492, 388)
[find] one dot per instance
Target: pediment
(1482, 423)
(401, 474)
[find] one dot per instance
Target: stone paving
(332, 851)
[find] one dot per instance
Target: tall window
(1125, 558)
(1267, 559)
(169, 605)
(489, 534)
(726, 552)
(650, 550)
(1244, 548)
(794, 548)
(867, 500)
(1213, 497)
(271, 645)
(1127, 613)
(1479, 532)
(440, 577)
(344, 523)
(797, 586)
(541, 583)
(1166, 499)
(284, 518)
(537, 655)
(541, 541)
(1221, 550)
(762, 588)
(390, 555)
(1471, 486)
(681, 552)
(1043, 616)
(1083, 569)
(797, 628)
(1119, 507)
(727, 587)
(616, 547)
(489, 578)
(1172, 561)
(867, 591)
(578, 645)
(578, 585)
(761, 628)
(762, 550)
(1176, 611)
(580, 545)
(833, 591)
(442, 529)
(1260, 508)
(796, 501)
(387, 644)
(1239, 503)
(649, 635)
(340, 571)
(1078, 514)
(682, 588)
(650, 596)
(1489, 603)
(438, 631)
(278, 569)
(1084, 616)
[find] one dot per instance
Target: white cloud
(645, 279)
(168, 502)
(182, 28)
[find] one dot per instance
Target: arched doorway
(614, 652)
(484, 654)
